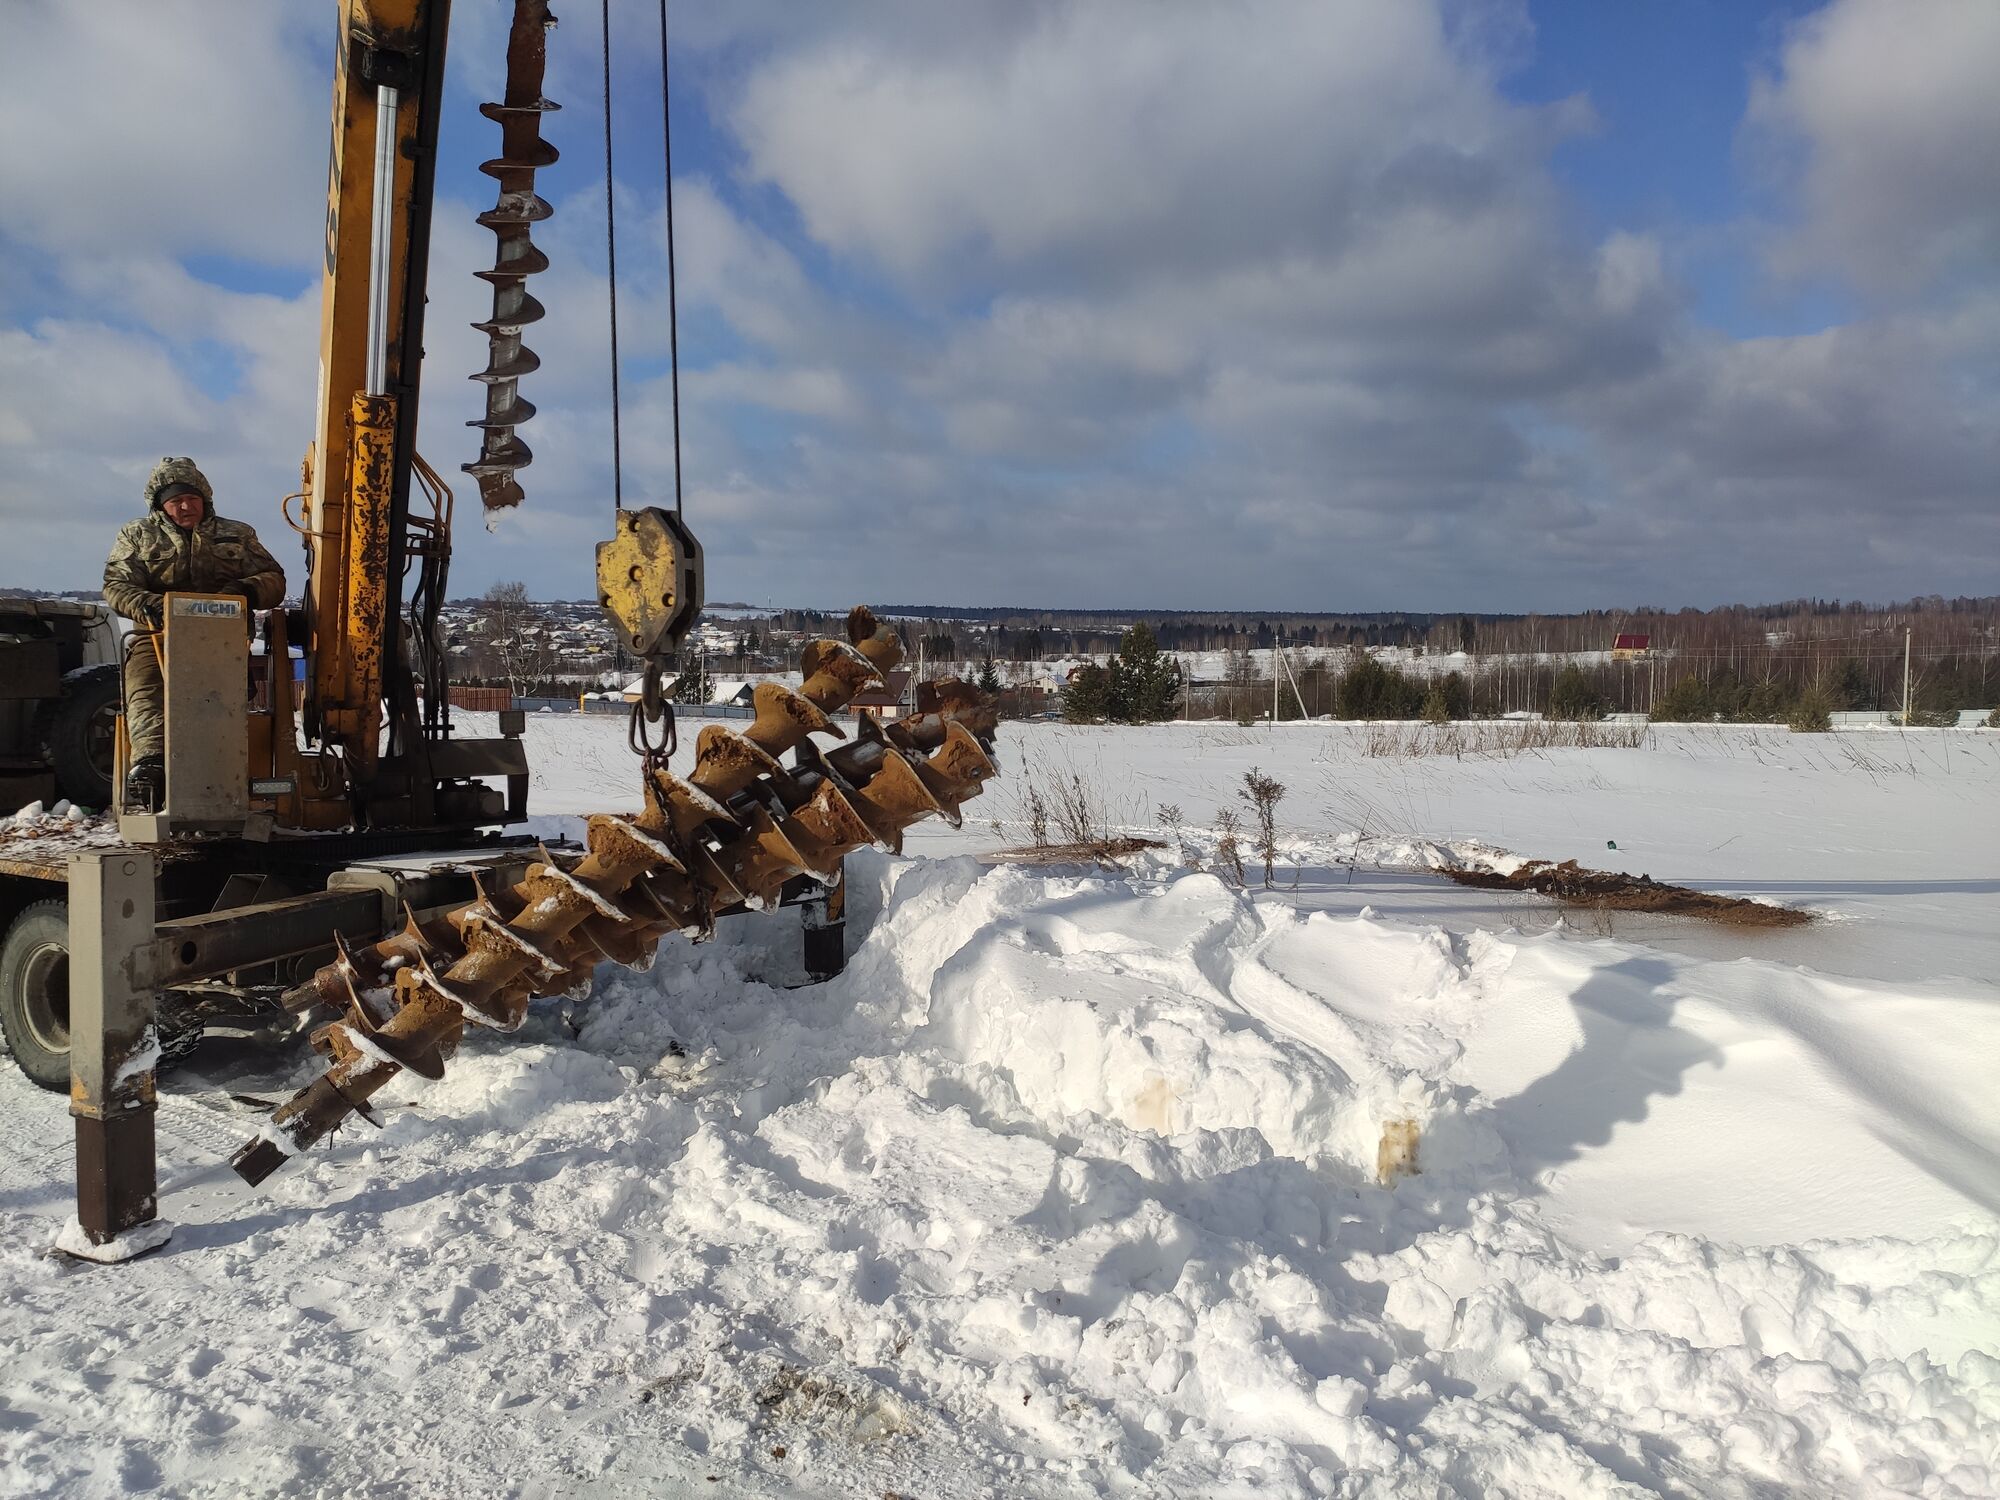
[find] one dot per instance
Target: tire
(79, 732)
(34, 993)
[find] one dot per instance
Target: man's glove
(150, 612)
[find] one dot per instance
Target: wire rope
(611, 266)
(673, 311)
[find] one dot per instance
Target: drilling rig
(333, 845)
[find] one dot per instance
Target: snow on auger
(730, 835)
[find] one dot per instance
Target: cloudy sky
(1303, 304)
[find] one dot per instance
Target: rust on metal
(356, 721)
(116, 1178)
(649, 580)
(113, 1045)
(523, 152)
(732, 834)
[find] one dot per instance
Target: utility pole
(1906, 677)
(1274, 676)
(1292, 678)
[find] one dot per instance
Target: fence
(1968, 718)
(479, 700)
(618, 708)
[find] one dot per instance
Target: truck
(332, 855)
(58, 701)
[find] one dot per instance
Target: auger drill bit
(523, 152)
(731, 834)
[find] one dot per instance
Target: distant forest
(1732, 662)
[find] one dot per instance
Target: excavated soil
(1602, 890)
(1097, 851)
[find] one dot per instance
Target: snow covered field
(1068, 1186)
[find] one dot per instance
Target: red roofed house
(1626, 647)
(886, 701)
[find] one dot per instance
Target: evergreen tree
(1686, 702)
(1851, 687)
(1457, 695)
(1144, 683)
(1087, 698)
(1369, 690)
(989, 677)
(1813, 712)
(1766, 703)
(1573, 697)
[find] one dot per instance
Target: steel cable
(611, 264)
(673, 312)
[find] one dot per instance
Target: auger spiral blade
(523, 152)
(742, 824)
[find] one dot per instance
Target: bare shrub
(1176, 826)
(1062, 804)
(1228, 857)
(1078, 816)
(1038, 817)
(1263, 793)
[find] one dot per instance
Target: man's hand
(151, 611)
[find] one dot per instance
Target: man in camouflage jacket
(182, 546)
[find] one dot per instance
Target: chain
(653, 707)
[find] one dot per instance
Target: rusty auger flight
(729, 836)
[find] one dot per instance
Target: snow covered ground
(1068, 1186)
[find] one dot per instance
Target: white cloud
(94, 406)
(1253, 302)
(166, 126)
(1885, 116)
(1084, 133)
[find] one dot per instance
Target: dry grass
(1057, 802)
(1409, 741)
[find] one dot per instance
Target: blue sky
(1669, 82)
(1261, 303)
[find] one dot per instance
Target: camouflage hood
(172, 471)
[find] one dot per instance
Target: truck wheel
(34, 993)
(78, 733)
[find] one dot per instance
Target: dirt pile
(1573, 885)
(1106, 851)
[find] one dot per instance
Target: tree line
(1140, 684)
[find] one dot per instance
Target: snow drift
(1067, 1186)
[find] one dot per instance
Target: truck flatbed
(41, 851)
